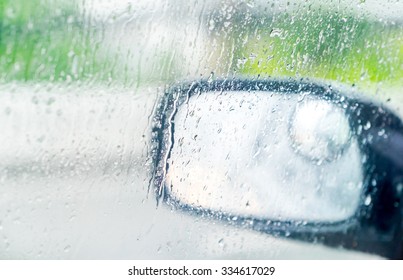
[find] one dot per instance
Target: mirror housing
(376, 225)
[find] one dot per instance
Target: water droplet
(252, 57)
(367, 126)
(50, 101)
(169, 246)
(399, 189)
(211, 77)
(368, 200)
(35, 100)
(211, 24)
(276, 32)
(67, 248)
(359, 130)
(221, 242)
(381, 132)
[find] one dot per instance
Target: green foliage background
(45, 40)
(324, 44)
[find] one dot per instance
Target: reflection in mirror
(266, 155)
(319, 130)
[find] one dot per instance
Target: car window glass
(81, 82)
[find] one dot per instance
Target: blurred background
(133, 43)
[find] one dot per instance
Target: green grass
(50, 41)
(323, 45)
(47, 40)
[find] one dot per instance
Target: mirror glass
(265, 155)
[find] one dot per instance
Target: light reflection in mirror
(319, 130)
(265, 155)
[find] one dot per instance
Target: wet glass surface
(80, 82)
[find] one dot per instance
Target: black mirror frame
(375, 228)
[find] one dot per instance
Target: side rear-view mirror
(295, 159)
